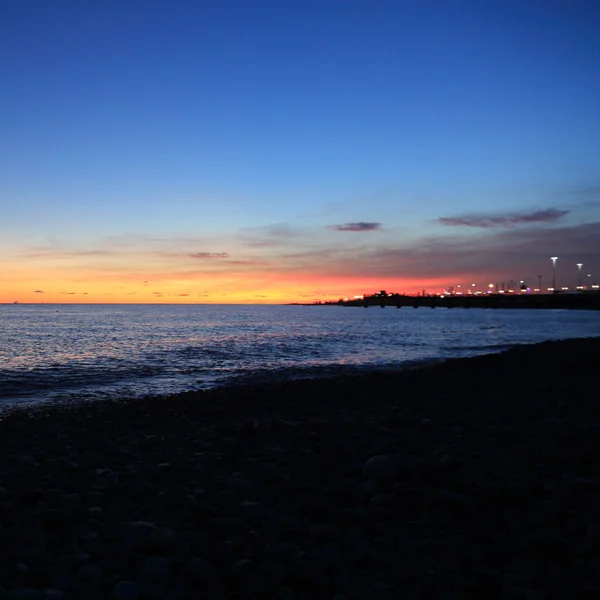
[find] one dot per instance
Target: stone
(229, 525)
(284, 593)
(91, 573)
(383, 500)
(329, 555)
(200, 571)
(283, 549)
(321, 530)
(252, 509)
(456, 500)
(71, 501)
(127, 590)
(147, 537)
(381, 468)
(54, 518)
(354, 532)
(24, 594)
(157, 569)
(364, 551)
(152, 591)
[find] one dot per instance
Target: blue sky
(205, 124)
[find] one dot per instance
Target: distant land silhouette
(581, 300)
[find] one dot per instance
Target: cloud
(520, 253)
(278, 234)
(549, 215)
(587, 196)
(183, 294)
(209, 255)
(54, 252)
(587, 191)
(358, 226)
(38, 292)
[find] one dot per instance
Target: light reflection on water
(50, 352)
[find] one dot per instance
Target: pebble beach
(472, 478)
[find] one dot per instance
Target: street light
(579, 265)
(554, 259)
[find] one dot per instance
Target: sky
(266, 151)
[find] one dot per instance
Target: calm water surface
(70, 352)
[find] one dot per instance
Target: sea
(72, 353)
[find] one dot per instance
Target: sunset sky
(292, 150)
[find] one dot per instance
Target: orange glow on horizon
(249, 288)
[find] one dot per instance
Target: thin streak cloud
(202, 255)
(549, 215)
(357, 226)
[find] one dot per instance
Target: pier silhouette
(587, 300)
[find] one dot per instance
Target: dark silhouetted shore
(474, 478)
(589, 300)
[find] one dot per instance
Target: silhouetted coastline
(472, 478)
(575, 301)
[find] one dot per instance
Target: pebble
(127, 590)
(456, 499)
(71, 501)
(90, 572)
(200, 571)
(302, 515)
(150, 538)
(157, 569)
(281, 549)
(24, 594)
(284, 593)
(55, 518)
(381, 468)
(229, 525)
(321, 530)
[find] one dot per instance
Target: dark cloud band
(358, 226)
(210, 255)
(549, 215)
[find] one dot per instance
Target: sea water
(81, 352)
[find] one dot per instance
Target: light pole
(540, 284)
(554, 259)
(579, 265)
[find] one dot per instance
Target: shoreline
(486, 485)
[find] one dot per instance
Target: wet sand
(474, 478)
